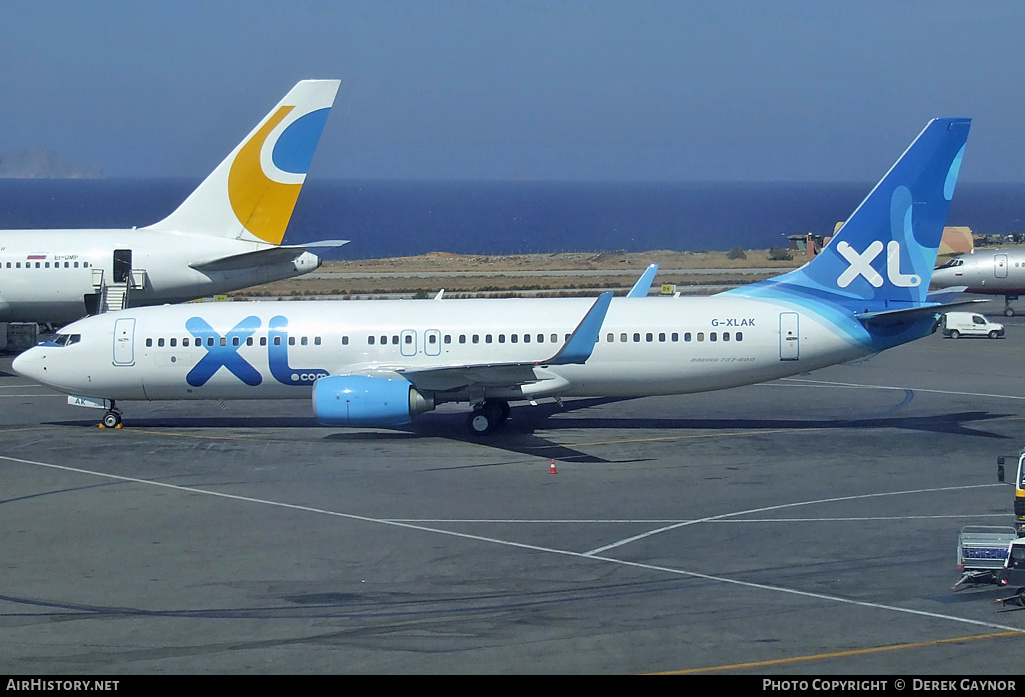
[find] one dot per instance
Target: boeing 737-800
(380, 363)
(226, 235)
(986, 271)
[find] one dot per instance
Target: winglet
(578, 347)
(640, 289)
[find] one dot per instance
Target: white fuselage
(46, 275)
(645, 346)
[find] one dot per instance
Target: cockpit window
(951, 264)
(67, 339)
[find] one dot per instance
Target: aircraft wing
(577, 349)
(456, 377)
(261, 257)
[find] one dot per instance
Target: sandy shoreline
(523, 274)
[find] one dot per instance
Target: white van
(956, 324)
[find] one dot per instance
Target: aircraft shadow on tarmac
(518, 434)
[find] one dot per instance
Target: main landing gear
(112, 419)
(1008, 310)
(487, 416)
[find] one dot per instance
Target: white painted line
(11, 396)
(803, 382)
(781, 506)
(641, 521)
(550, 550)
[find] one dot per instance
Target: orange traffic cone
(552, 468)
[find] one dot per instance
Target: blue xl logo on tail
(861, 265)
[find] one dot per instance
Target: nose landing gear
(112, 419)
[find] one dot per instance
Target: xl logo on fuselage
(861, 265)
(222, 351)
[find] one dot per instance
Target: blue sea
(385, 218)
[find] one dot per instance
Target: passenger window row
(173, 342)
(625, 337)
(46, 265)
(432, 339)
(408, 339)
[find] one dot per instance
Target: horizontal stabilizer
(320, 244)
(912, 313)
(262, 257)
(945, 295)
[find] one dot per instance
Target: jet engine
(364, 400)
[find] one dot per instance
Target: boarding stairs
(114, 296)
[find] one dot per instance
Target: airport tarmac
(805, 526)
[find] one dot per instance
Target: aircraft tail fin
(883, 256)
(252, 193)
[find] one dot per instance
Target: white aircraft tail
(252, 193)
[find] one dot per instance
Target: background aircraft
(988, 271)
(380, 363)
(225, 236)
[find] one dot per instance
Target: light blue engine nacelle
(363, 400)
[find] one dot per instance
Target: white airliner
(227, 235)
(988, 271)
(380, 363)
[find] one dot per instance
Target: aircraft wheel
(479, 423)
(503, 411)
(488, 416)
(954, 334)
(1008, 312)
(111, 419)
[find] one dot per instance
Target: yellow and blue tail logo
(252, 193)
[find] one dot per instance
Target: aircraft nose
(940, 275)
(30, 364)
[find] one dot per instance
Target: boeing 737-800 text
(226, 235)
(380, 363)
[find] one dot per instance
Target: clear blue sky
(803, 90)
